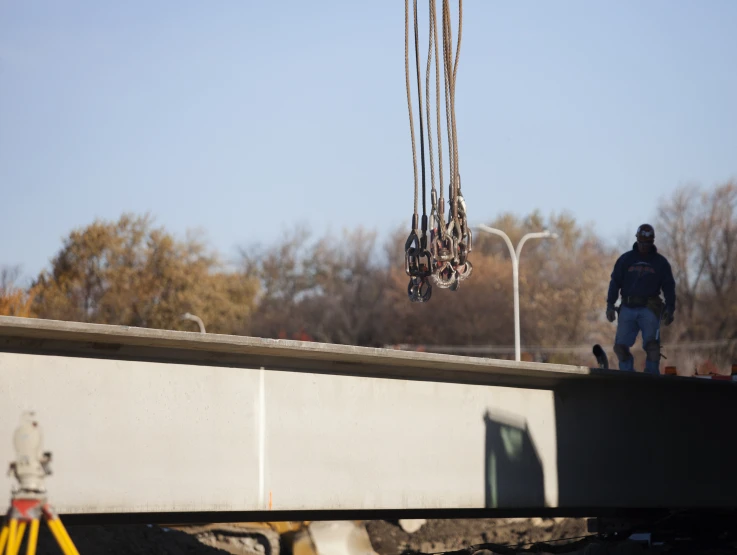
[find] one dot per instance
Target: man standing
(640, 275)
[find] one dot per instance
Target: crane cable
(434, 218)
(446, 258)
(458, 223)
(446, 249)
(409, 98)
(449, 79)
(418, 261)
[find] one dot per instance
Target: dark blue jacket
(642, 275)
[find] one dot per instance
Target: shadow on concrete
(512, 468)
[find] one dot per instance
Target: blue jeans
(631, 321)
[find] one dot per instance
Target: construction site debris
(438, 535)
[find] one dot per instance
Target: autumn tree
(563, 286)
(132, 273)
(14, 300)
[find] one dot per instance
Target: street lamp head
(192, 317)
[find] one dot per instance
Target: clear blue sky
(244, 117)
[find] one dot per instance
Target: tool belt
(655, 304)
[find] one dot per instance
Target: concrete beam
(25, 335)
(282, 427)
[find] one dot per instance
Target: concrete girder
(182, 425)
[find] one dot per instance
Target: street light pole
(194, 318)
(515, 273)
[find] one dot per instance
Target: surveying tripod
(28, 502)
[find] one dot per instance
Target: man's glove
(610, 313)
(667, 317)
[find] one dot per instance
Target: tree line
(353, 290)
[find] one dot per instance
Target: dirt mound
(449, 535)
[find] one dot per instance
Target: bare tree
(331, 290)
(679, 226)
(699, 230)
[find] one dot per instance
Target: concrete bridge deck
(181, 425)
